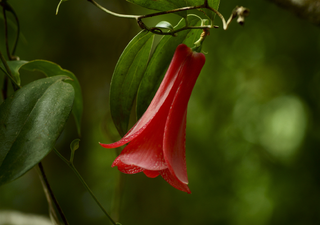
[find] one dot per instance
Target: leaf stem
(71, 165)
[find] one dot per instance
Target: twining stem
(113, 13)
(71, 165)
(7, 71)
(55, 209)
(171, 11)
(18, 33)
(7, 7)
(6, 32)
(241, 13)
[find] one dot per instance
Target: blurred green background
(253, 132)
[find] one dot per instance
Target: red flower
(157, 141)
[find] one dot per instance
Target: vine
(59, 94)
(239, 12)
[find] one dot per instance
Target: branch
(238, 12)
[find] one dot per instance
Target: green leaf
(160, 61)
(126, 79)
(30, 123)
(14, 67)
(165, 5)
(165, 25)
(52, 69)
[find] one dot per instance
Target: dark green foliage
(126, 79)
(30, 122)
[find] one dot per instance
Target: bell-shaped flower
(157, 141)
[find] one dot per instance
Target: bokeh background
(253, 132)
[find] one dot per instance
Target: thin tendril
(113, 13)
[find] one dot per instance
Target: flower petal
(172, 180)
(174, 146)
(146, 151)
(125, 168)
(175, 128)
(164, 94)
(151, 173)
